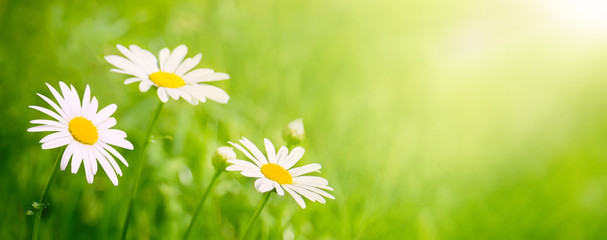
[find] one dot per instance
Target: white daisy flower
(170, 73)
(85, 131)
(276, 172)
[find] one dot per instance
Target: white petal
(127, 66)
(77, 157)
(108, 123)
(205, 75)
(46, 128)
(92, 158)
(308, 194)
(74, 100)
(114, 152)
(131, 80)
(50, 123)
(135, 58)
(57, 108)
(316, 190)
(86, 100)
(246, 153)
(175, 59)
(69, 150)
(254, 150)
(193, 91)
(148, 56)
(243, 163)
(293, 157)
(107, 168)
(281, 156)
(92, 109)
(109, 158)
(57, 142)
(304, 169)
(163, 57)
(270, 150)
(64, 106)
(50, 113)
(279, 189)
(214, 93)
(116, 141)
(56, 135)
(188, 64)
(252, 173)
(144, 86)
(174, 93)
(239, 168)
(104, 114)
(295, 196)
(192, 76)
(162, 94)
(264, 185)
(88, 168)
(311, 181)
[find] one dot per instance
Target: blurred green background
(461, 119)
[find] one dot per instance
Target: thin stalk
(262, 203)
(204, 197)
(135, 187)
(44, 193)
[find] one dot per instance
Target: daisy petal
(69, 150)
(109, 158)
(308, 194)
(293, 157)
(279, 189)
(263, 185)
(50, 113)
(77, 158)
(214, 93)
(254, 150)
(104, 114)
(252, 173)
(243, 163)
(162, 94)
(163, 57)
(57, 142)
(281, 156)
(188, 64)
(50, 123)
(304, 169)
(144, 86)
(311, 181)
(270, 150)
(246, 153)
(114, 152)
(295, 196)
(88, 168)
(316, 190)
(52, 136)
(176, 57)
(107, 168)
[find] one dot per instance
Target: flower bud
(222, 155)
(294, 133)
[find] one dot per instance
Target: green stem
(204, 197)
(44, 193)
(262, 203)
(140, 162)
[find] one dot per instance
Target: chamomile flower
(277, 172)
(86, 132)
(170, 73)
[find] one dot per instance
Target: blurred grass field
(432, 120)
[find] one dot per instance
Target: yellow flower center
(83, 130)
(276, 173)
(168, 80)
